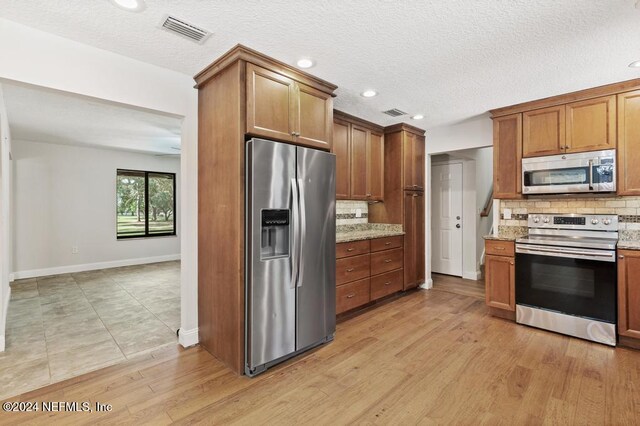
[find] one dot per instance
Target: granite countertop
(366, 231)
(508, 233)
(629, 245)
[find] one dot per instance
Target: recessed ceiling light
(417, 117)
(305, 63)
(369, 93)
(130, 5)
(634, 64)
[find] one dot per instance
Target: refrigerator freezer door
(316, 298)
(271, 225)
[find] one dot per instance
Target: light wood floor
(458, 285)
(430, 357)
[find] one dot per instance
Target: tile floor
(65, 325)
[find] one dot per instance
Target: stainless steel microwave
(570, 173)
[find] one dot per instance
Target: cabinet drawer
(352, 295)
(386, 243)
(385, 284)
(500, 248)
(352, 248)
(352, 268)
(385, 261)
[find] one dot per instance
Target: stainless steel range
(566, 275)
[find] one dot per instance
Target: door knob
(457, 217)
(458, 226)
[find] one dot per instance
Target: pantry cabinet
(278, 107)
(414, 241)
(359, 149)
(413, 161)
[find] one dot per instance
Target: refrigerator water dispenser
(275, 234)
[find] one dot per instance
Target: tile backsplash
(627, 209)
(346, 212)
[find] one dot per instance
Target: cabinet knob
(350, 270)
(350, 296)
(350, 249)
(368, 195)
(387, 244)
(621, 257)
(387, 283)
(293, 133)
(387, 260)
(511, 263)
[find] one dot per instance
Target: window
(135, 191)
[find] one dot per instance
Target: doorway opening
(461, 188)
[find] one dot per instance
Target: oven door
(578, 282)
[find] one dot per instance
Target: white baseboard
(5, 311)
(472, 275)
(428, 284)
(92, 266)
(188, 337)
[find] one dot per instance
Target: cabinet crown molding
(243, 53)
(356, 120)
(580, 95)
(404, 126)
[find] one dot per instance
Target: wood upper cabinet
(591, 124)
(500, 282)
(628, 143)
(414, 238)
(543, 131)
(359, 153)
(280, 108)
(413, 161)
(507, 156)
(629, 293)
(342, 150)
(359, 137)
(271, 104)
(587, 125)
(375, 167)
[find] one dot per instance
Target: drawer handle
(387, 283)
(499, 248)
(350, 270)
(349, 296)
(387, 244)
(350, 249)
(387, 260)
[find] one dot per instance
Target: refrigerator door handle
(295, 207)
(303, 231)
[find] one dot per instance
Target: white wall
(39, 58)
(65, 196)
(5, 217)
(476, 132)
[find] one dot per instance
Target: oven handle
(608, 256)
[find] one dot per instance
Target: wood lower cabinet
(365, 277)
(629, 294)
(500, 280)
(414, 239)
(359, 149)
(278, 107)
(507, 157)
(628, 143)
(543, 131)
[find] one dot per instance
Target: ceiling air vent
(184, 29)
(395, 112)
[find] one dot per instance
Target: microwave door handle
(590, 175)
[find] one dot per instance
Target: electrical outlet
(507, 214)
(358, 212)
(74, 249)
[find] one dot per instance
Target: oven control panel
(587, 222)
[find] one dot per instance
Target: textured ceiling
(447, 59)
(49, 116)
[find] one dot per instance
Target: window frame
(146, 205)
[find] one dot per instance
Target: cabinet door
(375, 167)
(591, 124)
(543, 131)
(410, 241)
(628, 143)
(359, 136)
(419, 205)
(314, 118)
(408, 161)
(342, 149)
(629, 293)
(500, 282)
(507, 156)
(271, 104)
(418, 162)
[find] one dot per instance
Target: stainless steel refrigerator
(290, 301)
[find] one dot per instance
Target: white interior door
(446, 219)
